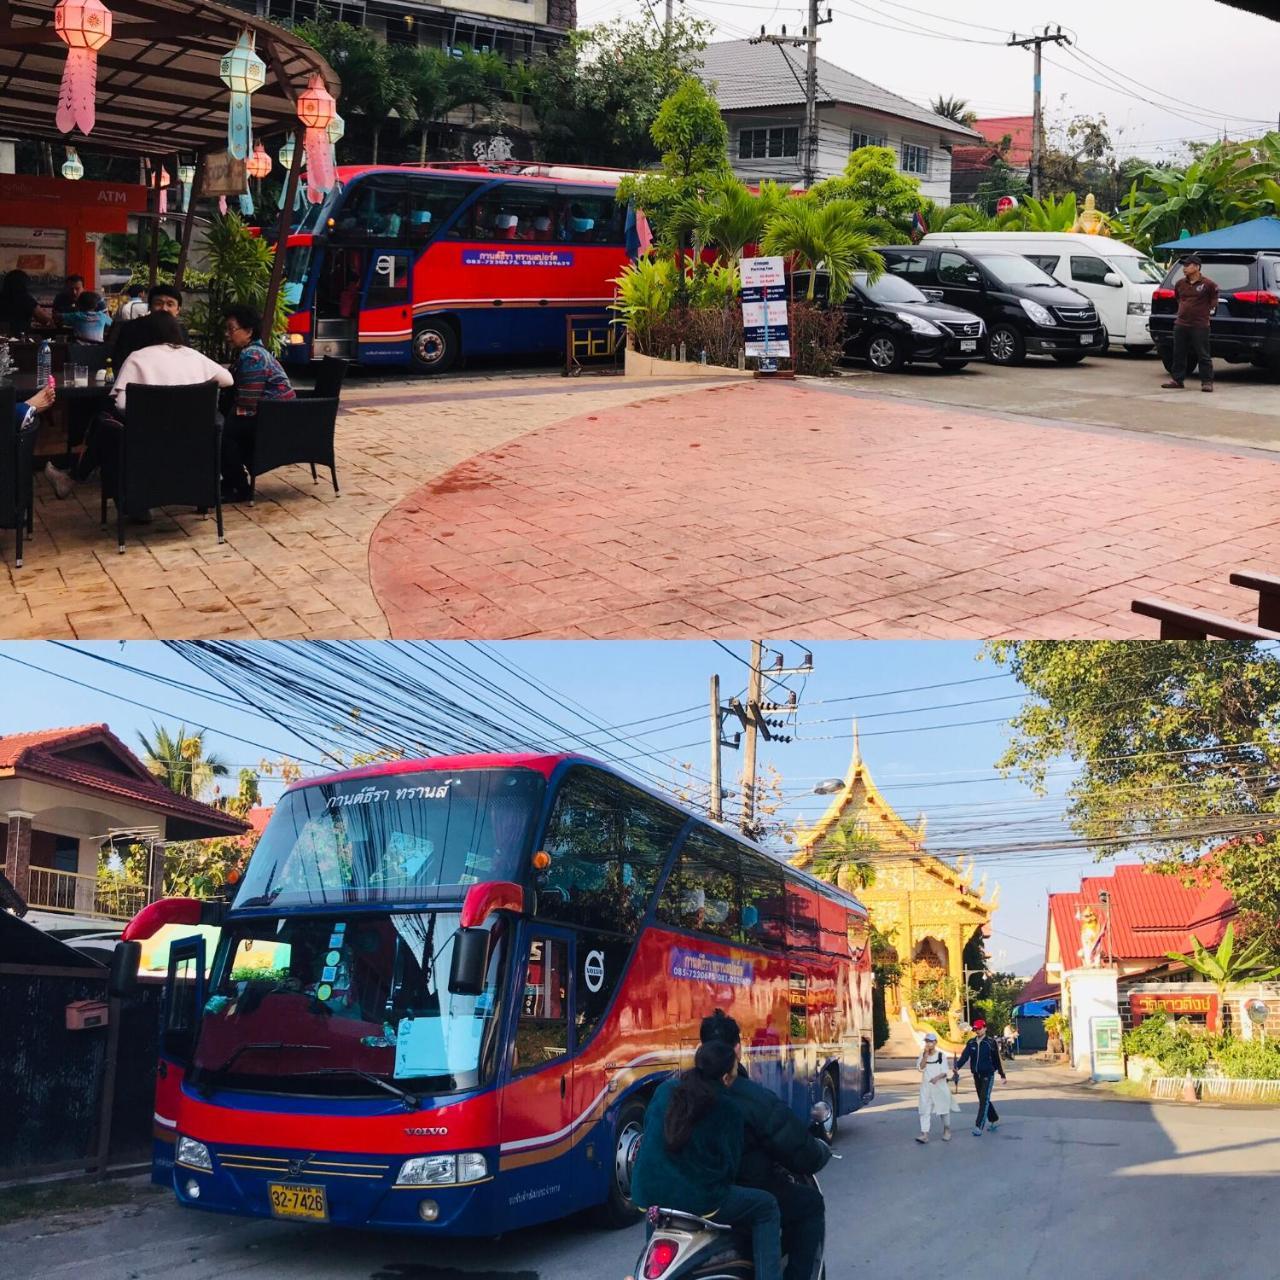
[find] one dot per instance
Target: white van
(1117, 278)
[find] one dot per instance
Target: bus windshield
(297, 262)
(347, 1004)
(393, 838)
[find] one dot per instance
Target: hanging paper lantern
(258, 165)
(222, 205)
(84, 26)
(186, 176)
(286, 153)
(165, 182)
(337, 129)
(72, 166)
(246, 205)
(244, 73)
(316, 109)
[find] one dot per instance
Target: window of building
(768, 144)
(915, 159)
(402, 31)
(858, 140)
(608, 843)
(542, 1033)
(66, 853)
(702, 893)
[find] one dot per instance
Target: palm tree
(826, 237)
(846, 857)
(956, 109)
(179, 761)
(729, 217)
(1226, 967)
(436, 82)
(955, 217)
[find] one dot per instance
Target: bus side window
(542, 1032)
(764, 902)
(608, 843)
(832, 938)
(592, 218)
(799, 1008)
(702, 892)
(802, 917)
(373, 208)
(514, 211)
(432, 202)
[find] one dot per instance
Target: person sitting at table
(18, 308)
(135, 304)
(89, 318)
(258, 376)
(160, 297)
(26, 416)
(67, 297)
(161, 359)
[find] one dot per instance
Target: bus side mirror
(470, 962)
(122, 978)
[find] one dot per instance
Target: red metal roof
(1151, 913)
(43, 755)
(1019, 130)
(1038, 988)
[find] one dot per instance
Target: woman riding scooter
(690, 1154)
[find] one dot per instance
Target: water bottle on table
(44, 365)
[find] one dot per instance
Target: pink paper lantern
(316, 111)
(84, 26)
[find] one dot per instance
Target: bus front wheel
(435, 346)
(619, 1210)
(832, 1126)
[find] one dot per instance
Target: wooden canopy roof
(159, 91)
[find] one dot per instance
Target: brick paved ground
(793, 509)
(296, 563)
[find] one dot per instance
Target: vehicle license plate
(969, 344)
(1086, 339)
(298, 1202)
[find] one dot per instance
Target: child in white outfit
(935, 1092)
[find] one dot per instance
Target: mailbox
(84, 1015)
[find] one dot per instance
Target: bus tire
(435, 346)
(618, 1210)
(831, 1096)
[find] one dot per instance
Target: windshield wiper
(411, 1101)
(210, 1074)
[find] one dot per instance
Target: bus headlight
(437, 1171)
(194, 1154)
(297, 339)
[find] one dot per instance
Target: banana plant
(1225, 967)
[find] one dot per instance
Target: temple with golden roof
(928, 908)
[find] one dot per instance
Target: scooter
(683, 1246)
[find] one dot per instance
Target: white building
(760, 88)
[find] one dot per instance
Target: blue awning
(1246, 237)
(1036, 1009)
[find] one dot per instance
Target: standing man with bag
(983, 1058)
(1197, 301)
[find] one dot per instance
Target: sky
(932, 723)
(1193, 60)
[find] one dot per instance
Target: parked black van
(1026, 311)
(1245, 329)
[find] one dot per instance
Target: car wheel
(435, 346)
(884, 352)
(618, 1210)
(1071, 357)
(1139, 351)
(832, 1127)
(953, 366)
(1005, 345)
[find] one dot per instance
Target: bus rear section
(446, 991)
(420, 268)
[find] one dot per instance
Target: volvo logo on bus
(593, 970)
(427, 1133)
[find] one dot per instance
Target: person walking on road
(982, 1056)
(1197, 300)
(935, 1092)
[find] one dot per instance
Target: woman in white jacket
(935, 1092)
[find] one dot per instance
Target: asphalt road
(1111, 391)
(1076, 1184)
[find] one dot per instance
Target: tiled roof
(1038, 988)
(1150, 913)
(1019, 130)
(747, 76)
(42, 755)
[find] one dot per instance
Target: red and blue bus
(446, 990)
(417, 267)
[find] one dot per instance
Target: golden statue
(1090, 221)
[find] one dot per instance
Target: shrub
(1248, 1059)
(817, 338)
(879, 1017)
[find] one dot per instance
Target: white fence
(1217, 1089)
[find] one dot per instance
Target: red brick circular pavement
(772, 509)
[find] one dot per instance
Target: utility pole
(809, 40)
(669, 18)
(715, 810)
(1037, 44)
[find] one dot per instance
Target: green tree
(596, 98)
(690, 132)
(1049, 213)
(203, 868)
(239, 271)
(847, 857)
(885, 199)
(955, 217)
(826, 237)
(178, 759)
(436, 82)
(952, 108)
(1226, 967)
(1178, 748)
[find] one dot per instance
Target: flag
(919, 227)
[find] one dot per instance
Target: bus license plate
(298, 1202)
(969, 345)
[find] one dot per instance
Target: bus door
(386, 307)
(538, 1135)
(179, 1025)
